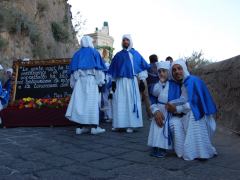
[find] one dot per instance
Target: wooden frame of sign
(32, 63)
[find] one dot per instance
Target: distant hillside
(35, 29)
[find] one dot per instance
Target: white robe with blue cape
(126, 67)
(192, 133)
(87, 69)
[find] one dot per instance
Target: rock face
(223, 80)
(35, 29)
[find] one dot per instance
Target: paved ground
(57, 153)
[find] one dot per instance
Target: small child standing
(159, 135)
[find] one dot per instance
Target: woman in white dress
(192, 123)
(87, 77)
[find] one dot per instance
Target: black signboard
(41, 79)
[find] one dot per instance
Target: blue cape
(1, 88)
(200, 99)
(8, 85)
(121, 65)
(4, 94)
(87, 58)
(174, 92)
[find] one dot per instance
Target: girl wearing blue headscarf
(87, 76)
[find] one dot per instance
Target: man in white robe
(192, 123)
(87, 76)
(126, 67)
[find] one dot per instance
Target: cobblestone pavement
(57, 153)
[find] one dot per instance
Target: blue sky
(168, 27)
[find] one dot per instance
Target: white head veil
(1, 68)
(128, 36)
(9, 70)
(163, 65)
(87, 41)
(182, 63)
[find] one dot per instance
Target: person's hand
(141, 86)
(171, 108)
(159, 118)
(114, 86)
(110, 96)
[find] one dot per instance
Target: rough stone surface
(223, 80)
(39, 16)
(57, 153)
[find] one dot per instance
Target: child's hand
(159, 118)
(171, 108)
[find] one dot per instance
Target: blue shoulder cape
(4, 94)
(121, 65)
(87, 58)
(200, 99)
(7, 85)
(174, 92)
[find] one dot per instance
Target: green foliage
(196, 60)
(1, 20)
(42, 6)
(60, 32)
(3, 43)
(39, 50)
(15, 22)
(110, 49)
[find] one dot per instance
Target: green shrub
(60, 33)
(3, 43)
(1, 20)
(39, 50)
(42, 6)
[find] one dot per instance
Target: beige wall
(223, 80)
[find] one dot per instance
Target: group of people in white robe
(182, 114)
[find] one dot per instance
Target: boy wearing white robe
(193, 124)
(158, 134)
(87, 76)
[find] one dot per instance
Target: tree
(78, 23)
(196, 60)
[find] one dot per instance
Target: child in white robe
(158, 134)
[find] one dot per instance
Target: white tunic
(158, 137)
(192, 139)
(125, 97)
(83, 106)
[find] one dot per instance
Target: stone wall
(223, 80)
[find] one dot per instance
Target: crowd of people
(178, 104)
